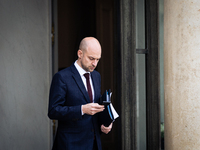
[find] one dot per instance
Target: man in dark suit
(73, 101)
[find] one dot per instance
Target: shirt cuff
(82, 111)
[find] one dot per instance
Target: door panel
(104, 25)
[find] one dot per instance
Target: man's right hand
(92, 108)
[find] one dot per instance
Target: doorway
(74, 20)
(113, 24)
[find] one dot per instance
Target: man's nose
(94, 63)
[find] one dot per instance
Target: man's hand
(106, 130)
(92, 108)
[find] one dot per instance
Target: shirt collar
(80, 70)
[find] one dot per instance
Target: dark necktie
(88, 86)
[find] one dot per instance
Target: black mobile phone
(106, 103)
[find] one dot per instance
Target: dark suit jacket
(67, 94)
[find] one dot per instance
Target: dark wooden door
(105, 34)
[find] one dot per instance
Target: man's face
(89, 58)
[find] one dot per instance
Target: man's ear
(80, 53)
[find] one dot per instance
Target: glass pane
(140, 24)
(140, 76)
(141, 101)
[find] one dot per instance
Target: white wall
(24, 74)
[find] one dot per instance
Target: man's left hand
(106, 130)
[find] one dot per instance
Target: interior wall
(76, 20)
(25, 74)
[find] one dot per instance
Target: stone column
(182, 74)
(25, 74)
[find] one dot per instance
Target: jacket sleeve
(57, 108)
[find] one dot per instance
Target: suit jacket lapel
(79, 82)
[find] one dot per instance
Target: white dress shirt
(82, 72)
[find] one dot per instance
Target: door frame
(126, 73)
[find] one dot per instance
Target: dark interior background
(82, 18)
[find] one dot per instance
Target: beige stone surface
(182, 74)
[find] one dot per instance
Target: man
(74, 98)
